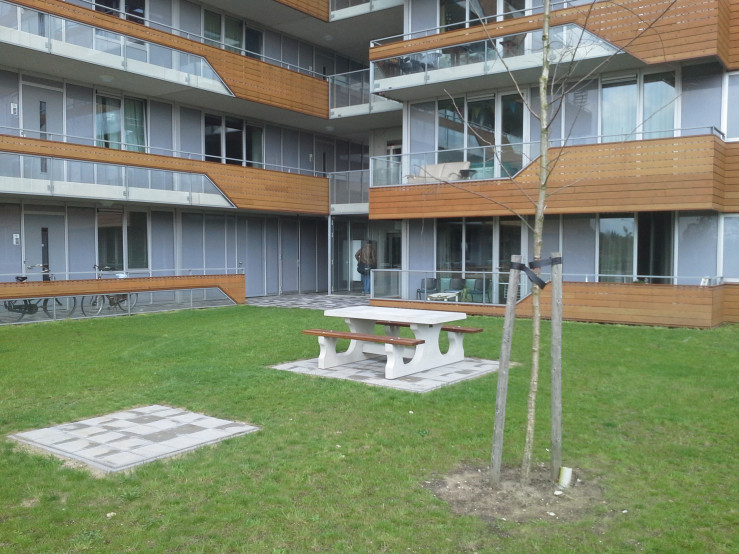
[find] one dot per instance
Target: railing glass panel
(48, 33)
(349, 187)
(510, 53)
(38, 175)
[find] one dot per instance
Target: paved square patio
(123, 440)
(372, 372)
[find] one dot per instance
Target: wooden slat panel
(654, 175)
(248, 188)
(655, 31)
(231, 285)
(730, 303)
(247, 78)
(631, 304)
(316, 8)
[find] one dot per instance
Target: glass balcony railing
(45, 176)
(569, 43)
(342, 9)
(44, 32)
(349, 187)
(478, 17)
(349, 94)
(442, 166)
(474, 287)
(501, 161)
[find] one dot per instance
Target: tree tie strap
(536, 264)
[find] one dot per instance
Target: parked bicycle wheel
(59, 308)
(93, 305)
(122, 301)
(19, 308)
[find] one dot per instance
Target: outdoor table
(425, 325)
(444, 296)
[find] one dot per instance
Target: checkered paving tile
(132, 437)
(372, 372)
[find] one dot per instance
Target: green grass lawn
(650, 413)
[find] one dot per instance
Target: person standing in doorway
(366, 258)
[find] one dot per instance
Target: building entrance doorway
(45, 252)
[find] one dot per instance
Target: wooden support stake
(556, 352)
(503, 365)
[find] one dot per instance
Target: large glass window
(132, 10)
(449, 245)
(659, 105)
(732, 124)
(213, 146)
(120, 124)
(134, 111)
(618, 117)
(212, 28)
(481, 133)
(616, 249)
(108, 122)
(478, 245)
(731, 248)
(137, 236)
(234, 34)
(110, 239)
(451, 130)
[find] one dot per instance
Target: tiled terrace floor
(122, 440)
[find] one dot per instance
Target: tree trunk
(538, 233)
(503, 365)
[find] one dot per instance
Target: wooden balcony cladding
(248, 188)
(651, 175)
(316, 8)
(655, 31)
(248, 78)
(231, 285)
(629, 304)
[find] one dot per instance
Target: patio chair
(428, 286)
(481, 292)
(455, 285)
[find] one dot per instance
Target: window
(731, 247)
(231, 140)
(616, 249)
(618, 114)
(659, 105)
(110, 240)
(137, 238)
(131, 10)
(451, 130)
(120, 124)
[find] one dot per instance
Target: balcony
(67, 178)
(660, 174)
(27, 28)
(472, 64)
(349, 95)
(349, 192)
(47, 166)
(447, 166)
(343, 9)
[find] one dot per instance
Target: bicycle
(93, 305)
(54, 308)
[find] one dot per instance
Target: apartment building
(221, 145)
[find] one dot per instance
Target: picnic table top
(407, 315)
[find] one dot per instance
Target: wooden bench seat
(448, 328)
(397, 341)
(361, 348)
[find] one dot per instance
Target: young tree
(552, 89)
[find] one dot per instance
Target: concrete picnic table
(426, 325)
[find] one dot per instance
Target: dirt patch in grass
(468, 492)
